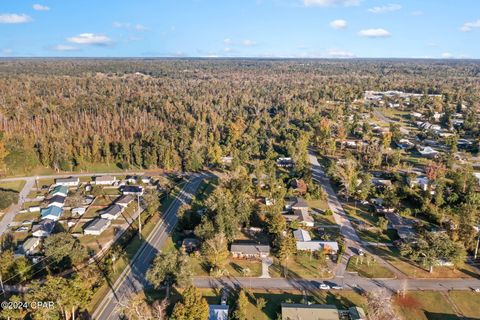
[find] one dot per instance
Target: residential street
(13, 210)
(132, 279)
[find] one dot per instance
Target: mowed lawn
(425, 305)
(368, 268)
(468, 302)
(13, 185)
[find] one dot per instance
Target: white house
(68, 182)
(104, 180)
(34, 209)
(428, 152)
(305, 243)
(125, 200)
(97, 227)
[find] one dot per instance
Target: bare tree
(379, 305)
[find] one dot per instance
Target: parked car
(361, 252)
(477, 290)
(324, 286)
(337, 287)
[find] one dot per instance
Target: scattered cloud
(447, 55)
(13, 18)
(417, 13)
(7, 51)
(227, 41)
(91, 39)
(249, 43)
(64, 47)
(228, 50)
(39, 7)
(335, 53)
(130, 26)
(469, 26)
(384, 9)
(331, 3)
(374, 33)
(338, 24)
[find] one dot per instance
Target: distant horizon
(283, 29)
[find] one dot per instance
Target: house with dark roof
(218, 312)
(132, 190)
(298, 211)
(44, 228)
(97, 226)
(56, 201)
(112, 212)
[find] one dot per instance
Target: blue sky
(241, 28)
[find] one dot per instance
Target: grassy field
(301, 266)
(468, 302)
(234, 267)
(19, 217)
(424, 305)
(13, 185)
(392, 255)
(372, 269)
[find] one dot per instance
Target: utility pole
(476, 249)
(139, 216)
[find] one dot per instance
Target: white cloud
(447, 55)
(469, 26)
(387, 8)
(130, 26)
(90, 39)
(12, 18)
(417, 13)
(39, 7)
(330, 3)
(227, 41)
(249, 43)
(7, 51)
(335, 53)
(374, 33)
(338, 24)
(63, 47)
(228, 50)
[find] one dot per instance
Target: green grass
(368, 268)
(234, 267)
(468, 302)
(411, 269)
(19, 217)
(13, 185)
(301, 265)
(425, 305)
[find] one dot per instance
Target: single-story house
(381, 183)
(296, 311)
(403, 226)
(59, 191)
(104, 180)
(296, 203)
(97, 226)
(422, 182)
(52, 213)
(30, 244)
(285, 162)
(241, 249)
(124, 200)
(68, 182)
(44, 228)
(112, 212)
(56, 201)
(80, 211)
(131, 179)
(133, 190)
(218, 312)
(305, 243)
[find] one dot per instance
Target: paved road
(347, 282)
(13, 210)
(86, 174)
(352, 240)
(132, 279)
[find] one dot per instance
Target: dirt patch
(407, 302)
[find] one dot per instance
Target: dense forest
(184, 114)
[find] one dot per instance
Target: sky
(433, 29)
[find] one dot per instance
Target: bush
(328, 212)
(7, 198)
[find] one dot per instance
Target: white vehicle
(336, 287)
(324, 286)
(477, 290)
(361, 252)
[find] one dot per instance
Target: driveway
(14, 209)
